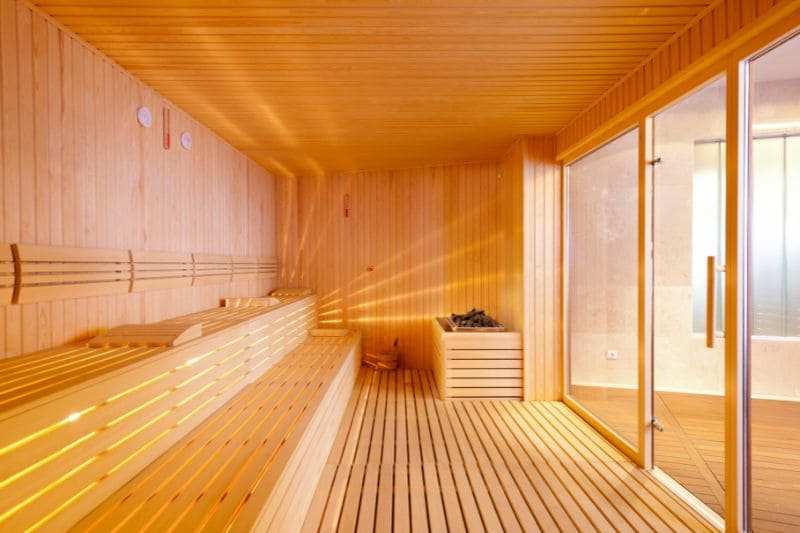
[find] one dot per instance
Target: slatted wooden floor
(691, 448)
(404, 460)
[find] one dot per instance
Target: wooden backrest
(253, 267)
(55, 272)
(211, 269)
(35, 273)
(161, 270)
(6, 274)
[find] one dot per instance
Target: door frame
(637, 454)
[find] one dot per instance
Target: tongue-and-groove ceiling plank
(322, 87)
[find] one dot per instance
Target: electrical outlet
(611, 355)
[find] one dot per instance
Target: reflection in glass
(688, 226)
(708, 223)
(768, 231)
(774, 245)
(603, 277)
(774, 357)
(792, 226)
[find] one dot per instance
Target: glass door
(601, 259)
(774, 276)
(647, 358)
(688, 210)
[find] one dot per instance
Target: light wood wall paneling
(531, 251)
(695, 53)
(78, 171)
(417, 243)
(286, 227)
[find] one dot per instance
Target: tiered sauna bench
(231, 428)
(252, 465)
(470, 365)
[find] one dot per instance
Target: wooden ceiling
(320, 86)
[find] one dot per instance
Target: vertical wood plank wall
(77, 170)
(418, 243)
(530, 295)
(702, 44)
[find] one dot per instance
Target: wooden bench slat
(28, 268)
(223, 360)
(266, 301)
(165, 479)
(243, 466)
(156, 447)
(260, 510)
(79, 369)
(130, 415)
(200, 485)
(69, 446)
(223, 498)
(312, 463)
(24, 364)
(35, 279)
(152, 269)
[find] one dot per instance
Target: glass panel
(707, 224)
(768, 237)
(603, 280)
(775, 290)
(792, 204)
(688, 226)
